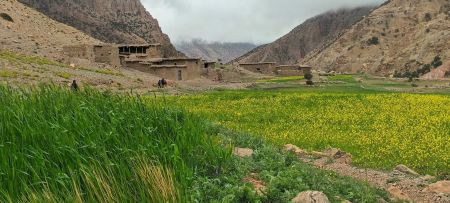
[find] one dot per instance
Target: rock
(396, 194)
(318, 154)
(339, 155)
(294, 149)
(311, 197)
(346, 201)
(404, 169)
(427, 178)
(243, 152)
(440, 187)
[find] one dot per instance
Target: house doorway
(179, 75)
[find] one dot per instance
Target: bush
(436, 62)
(373, 41)
(6, 17)
(427, 17)
(308, 76)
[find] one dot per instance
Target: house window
(179, 75)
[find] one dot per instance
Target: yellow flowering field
(381, 130)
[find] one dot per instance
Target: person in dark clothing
(164, 82)
(74, 86)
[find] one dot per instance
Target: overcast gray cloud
(257, 21)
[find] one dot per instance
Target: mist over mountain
(310, 35)
(213, 51)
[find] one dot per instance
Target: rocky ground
(401, 35)
(32, 33)
(402, 183)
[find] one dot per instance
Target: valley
(352, 105)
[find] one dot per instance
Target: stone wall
(264, 68)
(293, 70)
(79, 51)
(107, 54)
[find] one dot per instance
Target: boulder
(339, 155)
(311, 197)
(404, 169)
(396, 194)
(440, 187)
(294, 149)
(242, 152)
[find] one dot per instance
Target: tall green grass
(61, 146)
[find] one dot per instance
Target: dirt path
(400, 185)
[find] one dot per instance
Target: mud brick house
(263, 67)
(143, 57)
(292, 70)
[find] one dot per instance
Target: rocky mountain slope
(310, 35)
(114, 21)
(401, 37)
(31, 32)
(215, 50)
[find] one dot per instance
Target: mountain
(401, 37)
(25, 30)
(214, 50)
(310, 35)
(113, 21)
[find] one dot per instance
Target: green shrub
(436, 62)
(6, 17)
(373, 41)
(427, 17)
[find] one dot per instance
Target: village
(148, 58)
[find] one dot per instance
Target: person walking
(74, 86)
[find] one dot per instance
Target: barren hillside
(308, 36)
(215, 50)
(32, 33)
(114, 21)
(399, 37)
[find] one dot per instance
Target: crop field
(59, 146)
(62, 146)
(379, 129)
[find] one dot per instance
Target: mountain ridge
(398, 38)
(310, 35)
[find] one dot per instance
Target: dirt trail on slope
(399, 184)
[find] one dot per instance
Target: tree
(309, 77)
(373, 41)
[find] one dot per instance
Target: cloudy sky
(257, 21)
